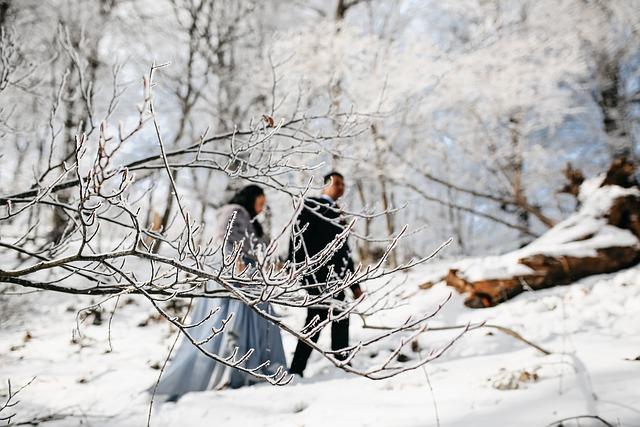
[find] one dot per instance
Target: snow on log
(602, 237)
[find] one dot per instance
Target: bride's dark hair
(246, 198)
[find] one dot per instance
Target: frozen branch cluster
(107, 250)
(459, 114)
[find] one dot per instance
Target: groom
(324, 222)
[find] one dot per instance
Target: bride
(191, 370)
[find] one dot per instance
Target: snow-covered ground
(486, 379)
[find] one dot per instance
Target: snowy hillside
(303, 159)
(488, 378)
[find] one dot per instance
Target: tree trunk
(4, 12)
(364, 246)
(552, 270)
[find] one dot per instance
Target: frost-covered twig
(503, 329)
(562, 422)
(11, 402)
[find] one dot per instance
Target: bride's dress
(191, 370)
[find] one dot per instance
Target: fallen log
(602, 237)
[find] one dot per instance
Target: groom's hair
(327, 177)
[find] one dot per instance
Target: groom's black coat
(323, 223)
